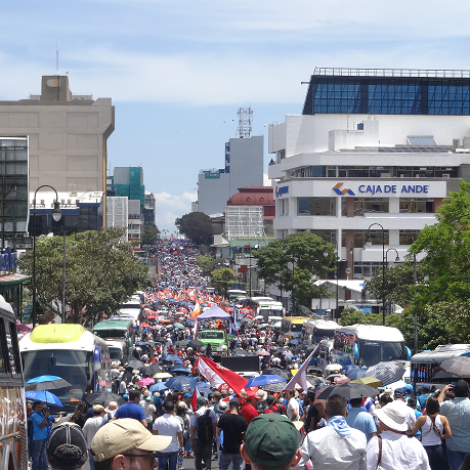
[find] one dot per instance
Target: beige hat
(262, 395)
(393, 415)
(112, 406)
(122, 436)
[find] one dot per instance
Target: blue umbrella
(158, 387)
(182, 383)
(190, 323)
(181, 369)
(178, 363)
(170, 357)
(44, 397)
(355, 372)
(264, 380)
(46, 382)
(294, 341)
(204, 391)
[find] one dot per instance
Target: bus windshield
(318, 335)
(115, 354)
(72, 366)
(114, 333)
(212, 335)
(373, 352)
(296, 327)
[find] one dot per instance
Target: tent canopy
(214, 312)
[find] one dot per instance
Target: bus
(235, 293)
(13, 432)
(71, 352)
(114, 331)
(268, 308)
(367, 345)
(293, 324)
(313, 331)
(425, 365)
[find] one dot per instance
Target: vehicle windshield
(212, 335)
(115, 354)
(318, 335)
(72, 366)
(373, 352)
(270, 312)
(111, 333)
(296, 327)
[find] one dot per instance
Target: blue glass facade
(387, 95)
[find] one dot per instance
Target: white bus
(271, 310)
(233, 294)
(367, 345)
(71, 352)
(313, 331)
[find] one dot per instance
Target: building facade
(374, 152)
(243, 167)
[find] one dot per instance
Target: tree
(150, 235)
(196, 226)
(222, 278)
(295, 268)
(100, 274)
(208, 263)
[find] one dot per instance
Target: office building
(149, 209)
(243, 167)
(129, 182)
(67, 139)
(372, 149)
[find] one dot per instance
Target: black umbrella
(388, 372)
(135, 364)
(457, 365)
(349, 390)
(315, 381)
(285, 374)
(103, 398)
(181, 344)
(442, 375)
(142, 343)
(151, 370)
(239, 352)
(160, 339)
(195, 343)
(46, 382)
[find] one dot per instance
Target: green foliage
(101, 273)
(196, 226)
(296, 269)
(222, 278)
(150, 235)
(208, 263)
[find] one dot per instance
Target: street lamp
(292, 259)
(337, 263)
(56, 216)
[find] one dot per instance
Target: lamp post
(397, 260)
(56, 215)
(337, 261)
(292, 259)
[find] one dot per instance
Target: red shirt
(249, 412)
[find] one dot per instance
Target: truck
(216, 338)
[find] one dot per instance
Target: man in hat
(399, 452)
(110, 411)
(271, 441)
(66, 447)
(249, 409)
(336, 446)
(126, 444)
(457, 412)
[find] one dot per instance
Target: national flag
(233, 330)
(218, 375)
(194, 399)
(300, 376)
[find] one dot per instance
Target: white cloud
(170, 206)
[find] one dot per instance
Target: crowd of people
(165, 412)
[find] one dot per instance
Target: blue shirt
(39, 433)
(457, 411)
(422, 400)
(130, 410)
(361, 420)
(418, 414)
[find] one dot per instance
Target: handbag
(379, 460)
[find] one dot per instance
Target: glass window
(360, 237)
(416, 205)
(407, 237)
(320, 206)
(12, 345)
(371, 205)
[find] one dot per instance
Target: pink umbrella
(146, 382)
(342, 379)
(263, 353)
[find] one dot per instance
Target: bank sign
(404, 189)
(212, 176)
(280, 190)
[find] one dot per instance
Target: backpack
(205, 430)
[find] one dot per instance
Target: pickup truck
(217, 340)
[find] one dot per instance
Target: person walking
(66, 447)
(361, 420)
(435, 428)
(293, 411)
(149, 409)
(131, 409)
(91, 427)
(38, 447)
(233, 427)
(457, 412)
(202, 434)
(168, 425)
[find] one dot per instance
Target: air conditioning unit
(446, 175)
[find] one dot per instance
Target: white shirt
(122, 387)
(329, 450)
(90, 428)
(149, 410)
(399, 452)
(293, 405)
(168, 425)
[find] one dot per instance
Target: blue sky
(176, 70)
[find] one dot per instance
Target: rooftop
(361, 72)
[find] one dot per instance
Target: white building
(371, 147)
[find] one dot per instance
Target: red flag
(247, 246)
(217, 374)
(194, 400)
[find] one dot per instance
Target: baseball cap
(252, 395)
(66, 447)
(409, 387)
(187, 395)
(123, 435)
(271, 440)
(201, 400)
